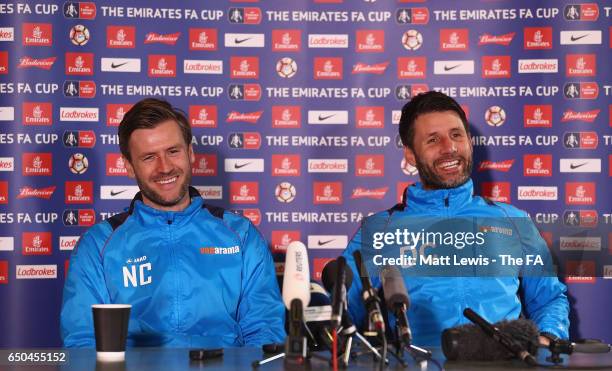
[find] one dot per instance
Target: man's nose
(164, 164)
(447, 145)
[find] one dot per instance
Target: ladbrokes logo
(37, 34)
(25, 272)
(328, 41)
(203, 39)
(581, 12)
(327, 165)
(286, 165)
(581, 90)
(244, 192)
(244, 140)
(81, 114)
(370, 41)
(370, 117)
(370, 165)
(537, 165)
(36, 243)
(286, 117)
(286, 40)
(167, 39)
(67, 243)
(586, 116)
(537, 193)
(411, 67)
(496, 191)
(115, 165)
(120, 37)
(281, 239)
(204, 165)
(375, 194)
(496, 67)
(580, 65)
(579, 193)
(7, 34)
(537, 116)
(503, 166)
(580, 140)
(244, 67)
(3, 193)
(29, 192)
(162, 66)
(7, 164)
(327, 193)
(36, 164)
(37, 113)
(487, 39)
(115, 113)
(203, 116)
(79, 192)
(79, 63)
(43, 64)
(537, 38)
(79, 218)
(327, 68)
(454, 39)
(209, 67)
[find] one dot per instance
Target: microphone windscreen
(328, 276)
(296, 279)
(469, 343)
(394, 287)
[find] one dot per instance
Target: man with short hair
(436, 138)
(195, 275)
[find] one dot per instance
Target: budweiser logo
(377, 193)
(251, 117)
(500, 166)
(504, 39)
(169, 39)
(378, 68)
(29, 192)
(587, 116)
(45, 64)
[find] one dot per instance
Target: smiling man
(436, 138)
(195, 275)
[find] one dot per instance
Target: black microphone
(396, 297)
(370, 297)
(296, 295)
(337, 280)
(584, 346)
(507, 341)
(469, 343)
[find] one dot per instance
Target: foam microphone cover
(328, 276)
(296, 279)
(394, 287)
(469, 343)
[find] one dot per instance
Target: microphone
(337, 280)
(507, 341)
(396, 297)
(469, 343)
(370, 297)
(296, 295)
(583, 346)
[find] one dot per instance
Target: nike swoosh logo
(117, 65)
(447, 68)
(321, 243)
(573, 166)
(323, 118)
(240, 41)
(114, 193)
(240, 166)
(576, 38)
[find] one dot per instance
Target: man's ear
(409, 156)
(191, 154)
(129, 168)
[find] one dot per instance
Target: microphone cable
(335, 349)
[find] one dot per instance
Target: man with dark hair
(435, 134)
(195, 275)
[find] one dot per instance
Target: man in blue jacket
(195, 275)
(434, 131)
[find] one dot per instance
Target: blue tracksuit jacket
(437, 303)
(201, 277)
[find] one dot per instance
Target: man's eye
(432, 140)
(147, 158)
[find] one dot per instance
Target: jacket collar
(418, 199)
(155, 216)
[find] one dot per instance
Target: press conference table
(241, 359)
